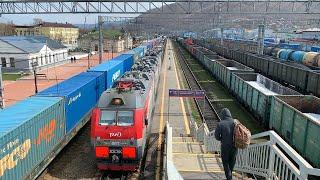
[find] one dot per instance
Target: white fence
(169, 170)
(271, 157)
(268, 156)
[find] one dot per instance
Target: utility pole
(100, 23)
(221, 39)
(112, 47)
(34, 65)
(260, 39)
(1, 90)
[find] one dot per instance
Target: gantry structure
(160, 6)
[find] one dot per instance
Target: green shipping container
(297, 120)
(30, 132)
(255, 91)
(223, 70)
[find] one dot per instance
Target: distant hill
(201, 22)
(93, 26)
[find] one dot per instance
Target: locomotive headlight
(129, 152)
(102, 152)
(117, 101)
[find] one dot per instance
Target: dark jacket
(225, 128)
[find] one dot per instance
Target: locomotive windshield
(108, 118)
(125, 118)
(119, 118)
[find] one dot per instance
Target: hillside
(202, 22)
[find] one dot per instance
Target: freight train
(283, 51)
(294, 116)
(303, 78)
(120, 123)
(33, 131)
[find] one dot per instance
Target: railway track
(207, 111)
(114, 175)
(77, 161)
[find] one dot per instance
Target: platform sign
(186, 93)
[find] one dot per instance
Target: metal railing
(169, 170)
(271, 157)
(267, 156)
(202, 134)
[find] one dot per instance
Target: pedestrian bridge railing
(267, 156)
(169, 170)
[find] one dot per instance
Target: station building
(116, 45)
(67, 34)
(21, 53)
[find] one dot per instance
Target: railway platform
(189, 156)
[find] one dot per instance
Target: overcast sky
(62, 18)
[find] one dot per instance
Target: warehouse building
(66, 33)
(20, 53)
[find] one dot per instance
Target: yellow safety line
(186, 143)
(204, 171)
(161, 120)
(186, 123)
(196, 154)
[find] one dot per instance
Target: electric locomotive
(120, 122)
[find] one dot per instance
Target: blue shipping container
(134, 54)
(315, 48)
(112, 71)
(29, 131)
(127, 61)
(145, 48)
(139, 50)
(80, 93)
(291, 46)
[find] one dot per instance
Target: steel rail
(207, 112)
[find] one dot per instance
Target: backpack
(241, 135)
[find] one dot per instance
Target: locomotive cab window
(116, 118)
(125, 118)
(108, 117)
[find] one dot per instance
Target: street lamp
(34, 65)
(1, 90)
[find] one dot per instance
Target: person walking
(224, 133)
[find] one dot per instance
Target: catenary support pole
(260, 39)
(100, 23)
(221, 38)
(35, 80)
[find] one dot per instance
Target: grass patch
(11, 76)
(216, 90)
